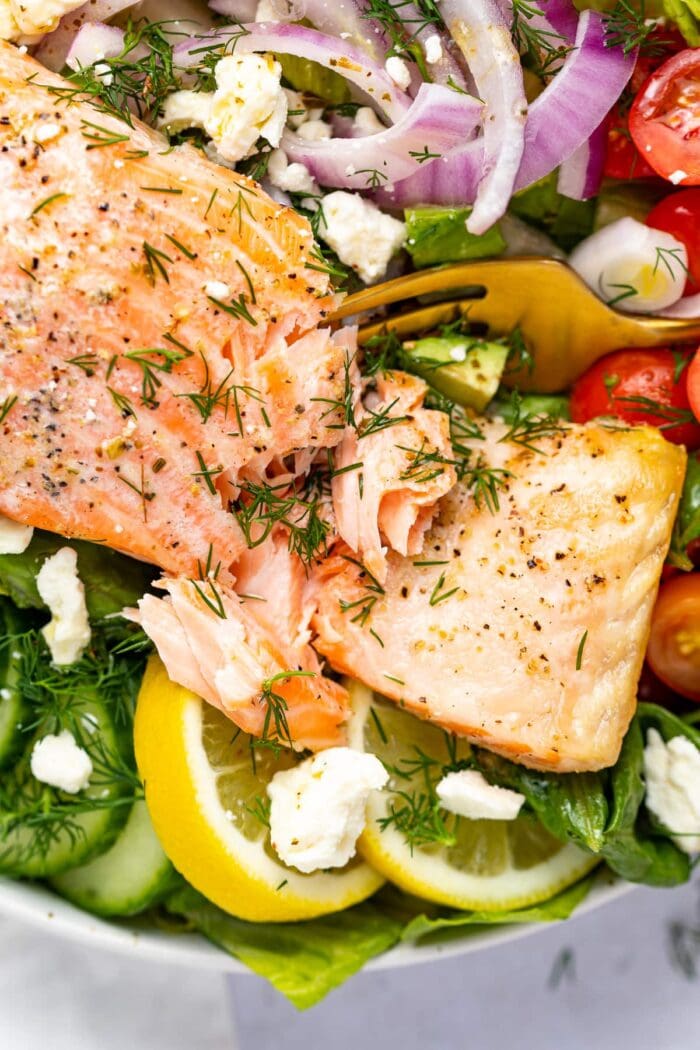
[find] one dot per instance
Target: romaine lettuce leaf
(554, 910)
(303, 960)
(112, 581)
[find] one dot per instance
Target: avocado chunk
(464, 369)
(440, 235)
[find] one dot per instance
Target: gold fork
(564, 324)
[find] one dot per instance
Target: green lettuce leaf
(553, 910)
(303, 960)
(631, 847)
(687, 525)
(112, 581)
(566, 221)
(572, 806)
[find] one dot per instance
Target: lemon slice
(488, 865)
(206, 794)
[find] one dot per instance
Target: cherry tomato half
(639, 386)
(679, 214)
(692, 384)
(622, 158)
(673, 652)
(665, 119)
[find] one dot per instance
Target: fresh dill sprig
(543, 49)
(261, 507)
(7, 405)
(528, 428)
(275, 730)
(361, 608)
(627, 26)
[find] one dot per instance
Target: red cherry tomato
(665, 119)
(622, 159)
(673, 652)
(639, 386)
(692, 384)
(679, 214)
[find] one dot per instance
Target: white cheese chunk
(68, 632)
(249, 103)
(292, 178)
(367, 122)
(317, 808)
(60, 762)
(14, 537)
(362, 235)
(398, 71)
(433, 49)
(315, 131)
(32, 18)
(469, 794)
(672, 775)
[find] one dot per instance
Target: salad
(313, 647)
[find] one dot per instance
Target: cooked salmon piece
(159, 318)
(390, 470)
(524, 629)
(211, 642)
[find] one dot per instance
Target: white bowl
(39, 906)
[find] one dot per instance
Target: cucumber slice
(13, 707)
(44, 831)
(131, 876)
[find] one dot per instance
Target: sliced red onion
(436, 123)
(328, 51)
(450, 181)
(558, 16)
(54, 48)
(344, 19)
(447, 69)
(94, 42)
(581, 173)
(483, 33)
(575, 102)
(237, 10)
(688, 306)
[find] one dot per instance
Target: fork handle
(659, 331)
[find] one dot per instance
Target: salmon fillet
(390, 470)
(212, 642)
(523, 629)
(158, 330)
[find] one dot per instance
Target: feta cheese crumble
(249, 103)
(433, 49)
(362, 235)
(469, 794)
(317, 808)
(672, 775)
(60, 762)
(398, 71)
(676, 177)
(315, 131)
(32, 18)
(68, 632)
(366, 122)
(14, 538)
(292, 178)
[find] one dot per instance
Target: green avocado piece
(464, 369)
(440, 235)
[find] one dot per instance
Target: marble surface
(621, 977)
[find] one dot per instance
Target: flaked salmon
(523, 629)
(158, 330)
(390, 470)
(212, 642)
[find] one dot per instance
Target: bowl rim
(38, 906)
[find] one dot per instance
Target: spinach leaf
(631, 848)
(687, 525)
(572, 806)
(112, 581)
(303, 960)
